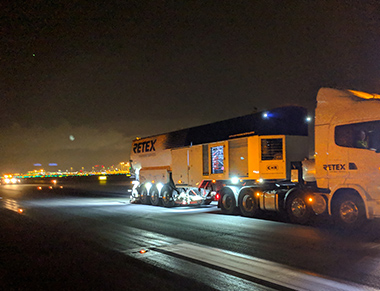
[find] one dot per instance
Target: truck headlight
(148, 186)
(234, 180)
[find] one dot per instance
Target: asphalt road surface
(86, 238)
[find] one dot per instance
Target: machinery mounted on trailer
(261, 162)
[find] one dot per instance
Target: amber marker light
(258, 194)
(213, 181)
(20, 210)
(310, 199)
(39, 188)
(142, 251)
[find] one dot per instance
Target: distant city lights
(98, 170)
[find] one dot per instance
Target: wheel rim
(348, 212)
(248, 203)
(298, 207)
(227, 201)
(144, 195)
(165, 196)
(154, 196)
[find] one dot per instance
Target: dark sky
(108, 71)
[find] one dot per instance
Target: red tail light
(217, 196)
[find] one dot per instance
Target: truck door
(196, 165)
(336, 163)
(238, 157)
(362, 142)
(180, 166)
(272, 157)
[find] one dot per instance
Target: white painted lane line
(262, 269)
(73, 202)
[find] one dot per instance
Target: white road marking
(88, 202)
(262, 269)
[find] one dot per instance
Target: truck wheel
(167, 199)
(228, 202)
(248, 203)
(349, 212)
(299, 211)
(144, 196)
(154, 198)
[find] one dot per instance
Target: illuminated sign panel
(217, 159)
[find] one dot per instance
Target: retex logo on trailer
(144, 147)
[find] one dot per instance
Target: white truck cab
(347, 158)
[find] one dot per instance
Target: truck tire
(167, 200)
(349, 211)
(297, 208)
(248, 203)
(154, 197)
(144, 196)
(228, 202)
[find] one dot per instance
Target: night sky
(80, 79)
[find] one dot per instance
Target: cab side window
(364, 135)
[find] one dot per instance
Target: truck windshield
(364, 135)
